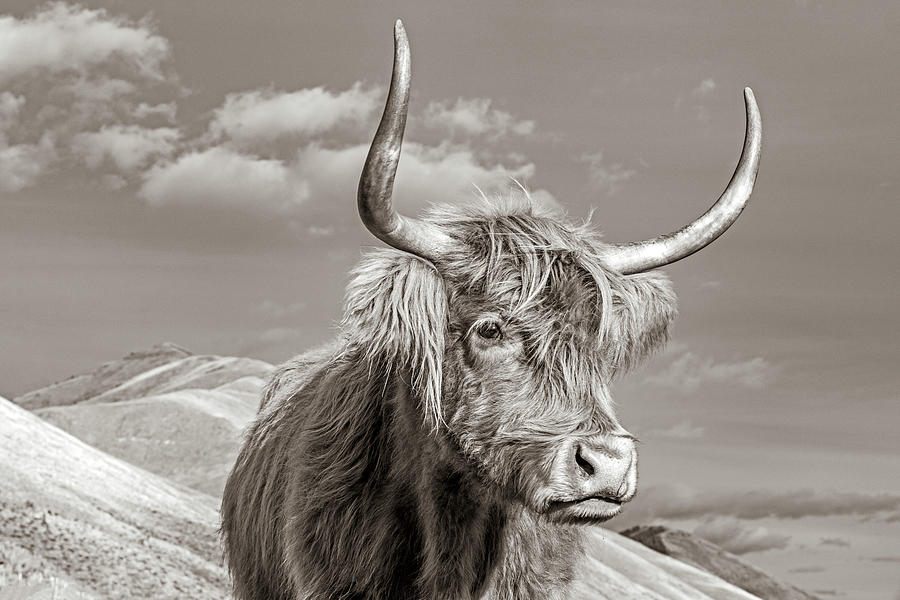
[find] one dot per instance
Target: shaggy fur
(414, 458)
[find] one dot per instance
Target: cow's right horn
(377, 180)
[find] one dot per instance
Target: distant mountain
(693, 550)
(70, 511)
(79, 388)
(181, 417)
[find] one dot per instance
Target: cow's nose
(606, 468)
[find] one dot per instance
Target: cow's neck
(474, 543)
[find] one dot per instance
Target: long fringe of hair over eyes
(396, 314)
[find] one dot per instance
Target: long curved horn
(377, 180)
(638, 257)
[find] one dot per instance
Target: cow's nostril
(584, 464)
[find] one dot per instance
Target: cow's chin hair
(586, 511)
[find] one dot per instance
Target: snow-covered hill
(70, 511)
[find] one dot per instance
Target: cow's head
(509, 323)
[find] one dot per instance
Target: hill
(79, 388)
(70, 511)
(618, 568)
(695, 551)
(176, 414)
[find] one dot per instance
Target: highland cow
(459, 435)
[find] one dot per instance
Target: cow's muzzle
(593, 478)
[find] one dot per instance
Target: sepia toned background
(186, 172)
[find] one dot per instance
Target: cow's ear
(642, 307)
(395, 319)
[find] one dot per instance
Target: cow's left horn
(377, 180)
(662, 250)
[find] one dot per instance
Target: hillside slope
(108, 526)
(692, 550)
(190, 436)
(175, 414)
(617, 568)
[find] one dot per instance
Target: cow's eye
(490, 330)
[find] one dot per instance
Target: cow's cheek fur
(488, 413)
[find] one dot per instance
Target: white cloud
(71, 77)
(684, 430)
(98, 88)
(10, 105)
(22, 164)
(840, 542)
(678, 502)
(113, 182)
(473, 117)
(689, 372)
(607, 177)
(60, 37)
(166, 110)
(261, 116)
(320, 230)
(279, 335)
(704, 88)
(128, 146)
(427, 174)
(738, 538)
(224, 179)
(276, 310)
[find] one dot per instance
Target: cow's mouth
(590, 509)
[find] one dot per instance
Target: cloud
(710, 284)
(812, 569)
(446, 172)
(474, 117)
(704, 88)
(683, 430)
(689, 372)
(834, 541)
(604, 176)
(222, 179)
(226, 178)
(260, 116)
(681, 502)
(10, 105)
(275, 310)
(60, 37)
(113, 182)
(735, 537)
(128, 146)
(22, 164)
(278, 335)
(98, 88)
(166, 110)
(71, 75)
(320, 230)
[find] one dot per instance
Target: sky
(186, 172)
